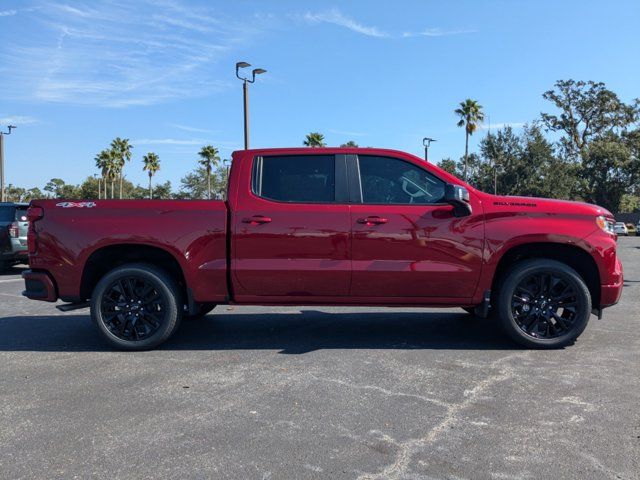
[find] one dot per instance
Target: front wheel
(543, 304)
(135, 307)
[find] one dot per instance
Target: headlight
(605, 224)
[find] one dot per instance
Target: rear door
(406, 240)
(292, 229)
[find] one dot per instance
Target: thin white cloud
(438, 32)
(18, 120)
(498, 126)
(187, 128)
(335, 17)
(352, 134)
(220, 144)
(166, 141)
(118, 54)
(8, 13)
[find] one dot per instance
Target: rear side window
(21, 214)
(295, 178)
(387, 180)
(7, 213)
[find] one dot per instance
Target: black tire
(203, 309)
(117, 317)
(551, 316)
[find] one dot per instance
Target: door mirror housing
(457, 196)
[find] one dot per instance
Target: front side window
(295, 178)
(387, 180)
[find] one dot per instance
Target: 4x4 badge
(76, 204)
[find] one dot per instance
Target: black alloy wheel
(543, 303)
(135, 306)
(132, 308)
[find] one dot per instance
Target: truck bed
(73, 234)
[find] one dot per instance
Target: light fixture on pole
(2, 134)
(426, 141)
(245, 94)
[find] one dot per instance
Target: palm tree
(208, 159)
(470, 113)
(349, 144)
(151, 163)
(314, 139)
(121, 149)
(104, 161)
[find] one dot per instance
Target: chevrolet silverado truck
(327, 226)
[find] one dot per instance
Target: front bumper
(610, 293)
(39, 286)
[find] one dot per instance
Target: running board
(67, 307)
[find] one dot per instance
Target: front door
(406, 241)
(292, 230)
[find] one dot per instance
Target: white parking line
(12, 280)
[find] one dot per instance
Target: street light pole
(245, 95)
(426, 141)
(2, 134)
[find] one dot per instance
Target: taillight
(33, 214)
(14, 230)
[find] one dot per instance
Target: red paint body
(291, 253)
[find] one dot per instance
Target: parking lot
(271, 393)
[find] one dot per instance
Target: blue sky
(74, 75)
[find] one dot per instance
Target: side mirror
(458, 197)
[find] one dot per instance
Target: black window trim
(341, 186)
(355, 181)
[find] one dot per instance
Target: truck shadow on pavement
(289, 333)
(12, 271)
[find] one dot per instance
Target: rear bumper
(39, 286)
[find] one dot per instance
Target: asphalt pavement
(310, 393)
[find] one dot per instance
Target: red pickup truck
(327, 226)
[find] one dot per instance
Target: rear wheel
(135, 307)
(543, 304)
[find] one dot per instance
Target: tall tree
(314, 139)
(607, 170)
(151, 163)
(349, 144)
(470, 113)
(209, 159)
(588, 110)
(105, 162)
(121, 150)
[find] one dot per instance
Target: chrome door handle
(373, 220)
(256, 220)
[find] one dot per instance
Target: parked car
(621, 229)
(13, 234)
(327, 226)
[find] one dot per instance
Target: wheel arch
(574, 256)
(106, 258)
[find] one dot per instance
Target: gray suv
(13, 234)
